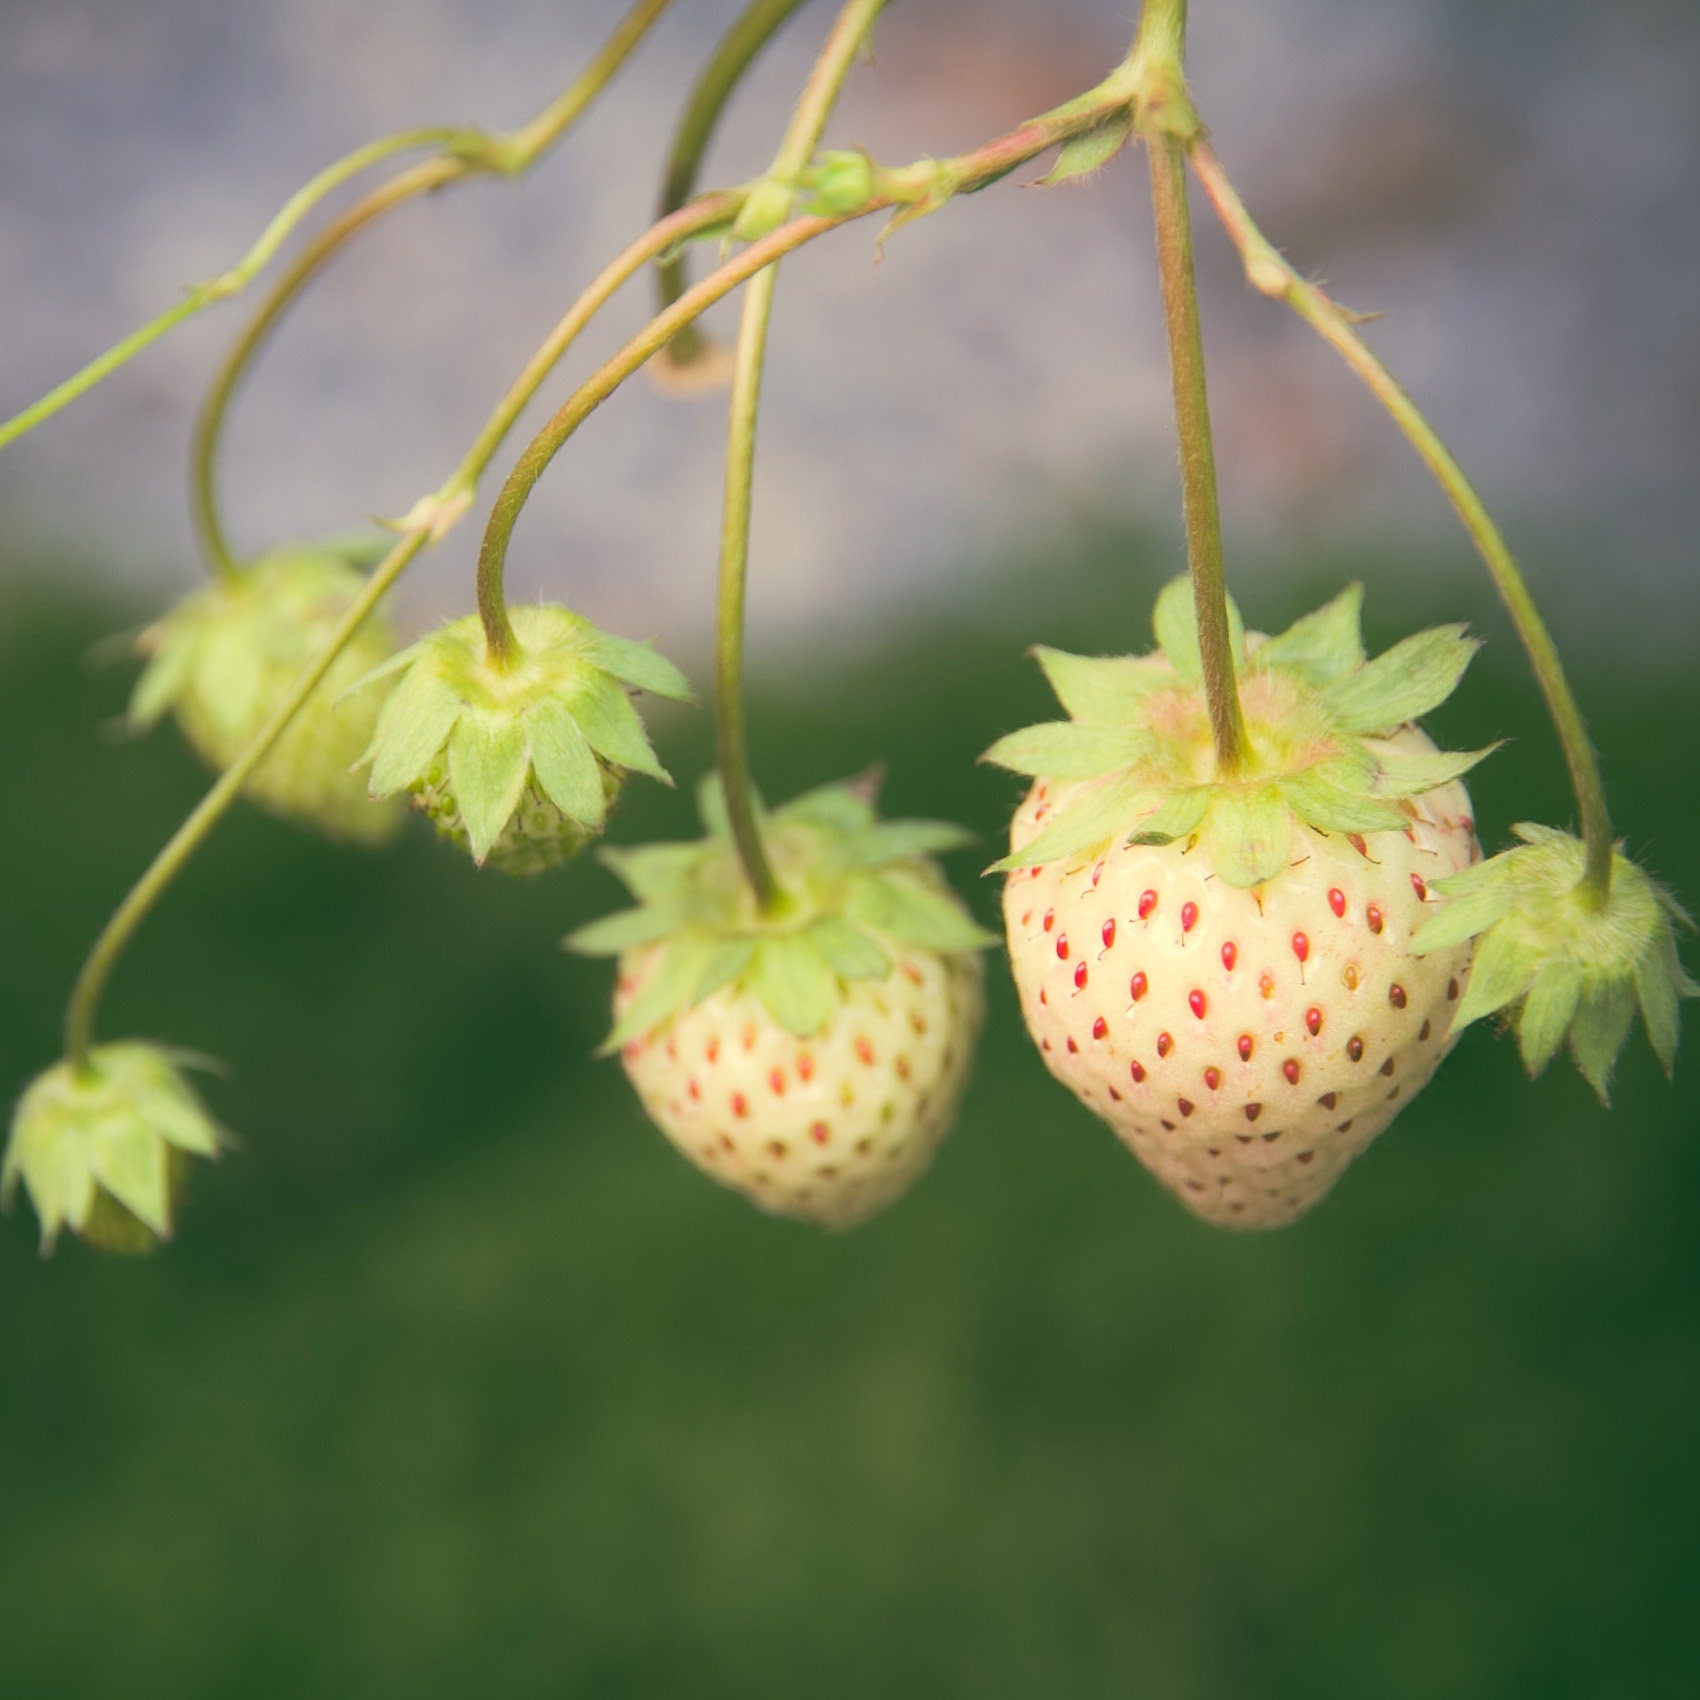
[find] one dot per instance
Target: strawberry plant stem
(430, 521)
(1166, 119)
(919, 187)
(435, 516)
(802, 136)
(1269, 272)
(754, 28)
(227, 283)
(465, 154)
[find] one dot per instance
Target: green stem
(239, 276)
(471, 152)
(1164, 107)
(802, 136)
(536, 137)
(434, 517)
(911, 186)
(755, 27)
(215, 406)
(1269, 273)
(85, 998)
(730, 735)
(430, 521)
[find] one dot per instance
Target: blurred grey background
(1512, 185)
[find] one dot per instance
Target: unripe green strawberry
(103, 1149)
(1563, 963)
(812, 1060)
(518, 760)
(1221, 969)
(224, 657)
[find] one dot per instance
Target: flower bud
(839, 182)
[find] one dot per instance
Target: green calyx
(103, 1148)
(857, 892)
(1138, 762)
(520, 759)
(220, 661)
(1565, 967)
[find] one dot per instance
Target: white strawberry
(812, 1061)
(224, 657)
(1221, 969)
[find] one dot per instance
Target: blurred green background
(458, 1381)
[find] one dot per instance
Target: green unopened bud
(222, 660)
(103, 1149)
(518, 760)
(839, 182)
(767, 206)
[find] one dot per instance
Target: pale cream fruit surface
(1245, 1045)
(828, 1129)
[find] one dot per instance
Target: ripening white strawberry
(221, 661)
(1221, 969)
(812, 1061)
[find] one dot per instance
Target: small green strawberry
(811, 1059)
(520, 760)
(104, 1148)
(221, 660)
(1220, 968)
(1562, 965)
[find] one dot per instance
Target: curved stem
(187, 839)
(755, 27)
(470, 152)
(433, 518)
(911, 187)
(429, 522)
(1158, 50)
(1269, 272)
(802, 136)
(534, 139)
(240, 275)
(209, 422)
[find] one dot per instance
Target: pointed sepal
(520, 759)
(223, 659)
(1565, 968)
(1330, 745)
(102, 1146)
(856, 892)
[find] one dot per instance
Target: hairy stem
(430, 521)
(730, 736)
(436, 515)
(215, 405)
(964, 174)
(86, 994)
(755, 27)
(1270, 273)
(1164, 110)
(472, 153)
(802, 136)
(227, 283)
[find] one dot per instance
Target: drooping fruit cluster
(223, 659)
(518, 758)
(811, 1057)
(1220, 967)
(103, 1147)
